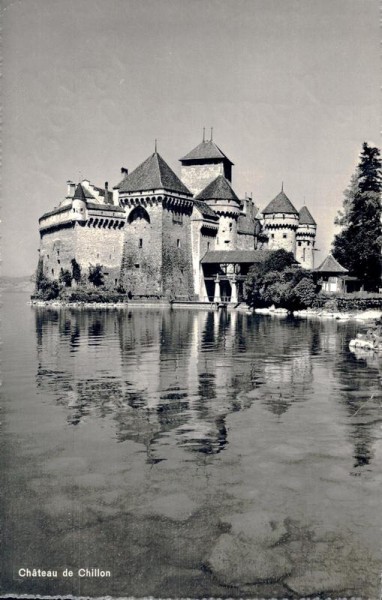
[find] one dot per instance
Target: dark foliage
(65, 278)
(96, 275)
(76, 270)
(280, 281)
(358, 246)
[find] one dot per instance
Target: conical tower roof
(153, 174)
(305, 218)
(218, 189)
(206, 150)
(81, 193)
(280, 204)
(331, 265)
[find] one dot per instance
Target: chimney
(124, 171)
(71, 188)
(106, 192)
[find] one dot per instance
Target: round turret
(79, 212)
(305, 239)
(222, 199)
(281, 223)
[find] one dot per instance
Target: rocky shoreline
(364, 315)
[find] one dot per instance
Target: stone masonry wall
(100, 246)
(141, 272)
(282, 238)
(203, 240)
(197, 177)
(57, 248)
(177, 276)
(88, 245)
(245, 241)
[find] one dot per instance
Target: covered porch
(224, 273)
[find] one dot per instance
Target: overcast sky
(291, 88)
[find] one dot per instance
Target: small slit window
(178, 243)
(140, 244)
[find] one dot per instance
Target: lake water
(190, 453)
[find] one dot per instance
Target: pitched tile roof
(81, 193)
(205, 210)
(206, 150)
(153, 174)
(305, 218)
(331, 265)
(235, 256)
(280, 204)
(218, 189)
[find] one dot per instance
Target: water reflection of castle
(174, 376)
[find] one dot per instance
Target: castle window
(136, 266)
(308, 243)
(97, 255)
(47, 256)
(230, 226)
(208, 245)
(52, 271)
(299, 243)
(285, 236)
(272, 235)
(58, 260)
(283, 216)
(178, 243)
(140, 245)
(58, 253)
(177, 217)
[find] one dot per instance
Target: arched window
(138, 213)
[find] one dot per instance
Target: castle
(158, 235)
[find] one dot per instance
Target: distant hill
(16, 284)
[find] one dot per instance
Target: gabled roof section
(81, 193)
(206, 210)
(153, 174)
(331, 265)
(206, 150)
(218, 189)
(305, 218)
(280, 204)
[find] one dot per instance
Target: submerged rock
(257, 528)
(238, 561)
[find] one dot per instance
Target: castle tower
(203, 164)
(157, 255)
(220, 196)
(281, 221)
(305, 239)
(81, 194)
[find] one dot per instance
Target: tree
(76, 270)
(65, 277)
(342, 218)
(279, 280)
(96, 275)
(358, 246)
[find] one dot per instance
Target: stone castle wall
(177, 275)
(142, 252)
(197, 177)
(88, 245)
